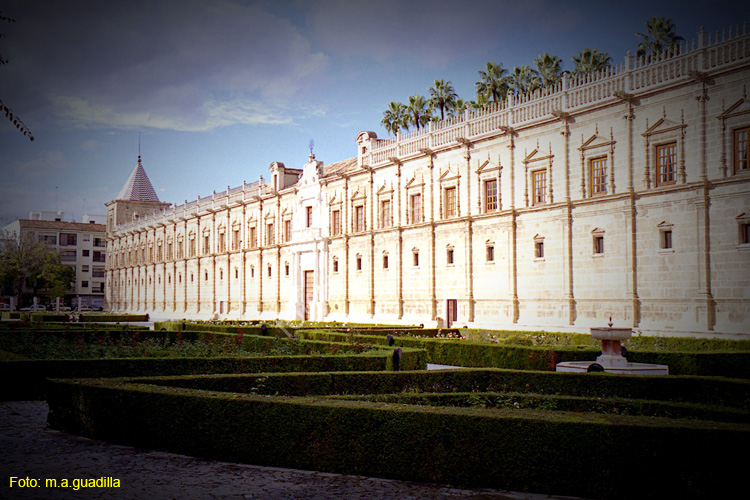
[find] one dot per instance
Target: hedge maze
(510, 423)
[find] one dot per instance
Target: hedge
(588, 455)
(24, 380)
(733, 364)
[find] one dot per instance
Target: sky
(211, 92)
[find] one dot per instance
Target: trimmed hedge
(733, 364)
(589, 455)
(24, 380)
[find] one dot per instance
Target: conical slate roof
(138, 187)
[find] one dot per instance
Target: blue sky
(217, 90)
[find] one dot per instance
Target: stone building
(622, 194)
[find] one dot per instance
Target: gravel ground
(28, 448)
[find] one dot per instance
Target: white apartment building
(81, 245)
(624, 194)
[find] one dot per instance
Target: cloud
(180, 64)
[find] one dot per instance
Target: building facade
(624, 194)
(81, 245)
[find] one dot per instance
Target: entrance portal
(309, 288)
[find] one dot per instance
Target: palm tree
(491, 83)
(418, 111)
(442, 96)
(523, 80)
(590, 61)
(549, 68)
(482, 101)
(395, 118)
(458, 108)
(659, 36)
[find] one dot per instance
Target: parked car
(85, 309)
(62, 309)
(35, 308)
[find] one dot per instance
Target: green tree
(492, 83)
(14, 119)
(549, 68)
(395, 118)
(442, 96)
(590, 61)
(53, 276)
(458, 107)
(482, 101)
(20, 259)
(419, 111)
(659, 36)
(523, 80)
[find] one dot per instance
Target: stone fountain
(612, 359)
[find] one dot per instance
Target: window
(385, 213)
(85, 253)
(236, 273)
(68, 239)
(741, 140)
(98, 242)
(665, 239)
(48, 239)
(666, 163)
(286, 268)
(169, 250)
(598, 169)
(84, 284)
(416, 258)
(335, 264)
(288, 229)
(450, 202)
(159, 254)
(206, 244)
(539, 185)
(222, 237)
(98, 256)
(359, 262)
(490, 253)
(192, 246)
(385, 261)
(253, 238)
(490, 195)
(84, 269)
(416, 208)
(539, 248)
(308, 217)
(235, 238)
(336, 222)
(67, 255)
(359, 218)
(269, 270)
(449, 256)
(744, 232)
(269, 234)
(598, 245)
(97, 272)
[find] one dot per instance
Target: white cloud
(181, 65)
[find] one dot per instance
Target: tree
(395, 118)
(14, 119)
(442, 96)
(56, 277)
(20, 259)
(492, 84)
(419, 111)
(480, 102)
(523, 80)
(590, 61)
(659, 36)
(549, 69)
(458, 107)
